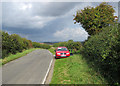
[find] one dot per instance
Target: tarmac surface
(29, 69)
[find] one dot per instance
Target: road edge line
(43, 82)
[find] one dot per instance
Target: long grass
(75, 70)
(15, 56)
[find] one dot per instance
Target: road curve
(29, 69)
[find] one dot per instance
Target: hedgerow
(38, 45)
(70, 44)
(13, 43)
(103, 51)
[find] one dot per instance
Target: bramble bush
(103, 51)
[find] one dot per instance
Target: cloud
(71, 33)
(0, 16)
(119, 11)
(26, 6)
(20, 15)
(32, 15)
(53, 8)
(43, 21)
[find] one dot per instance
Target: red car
(62, 52)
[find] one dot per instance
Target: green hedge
(103, 50)
(38, 45)
(70, 44)
(12, 44)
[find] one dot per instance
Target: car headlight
(58, 53)
(67, 53)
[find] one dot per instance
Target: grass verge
(52, 51)
(15, 56)
(75, 70)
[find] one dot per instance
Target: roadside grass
(52, 51)
(15, 56)
(75, 70)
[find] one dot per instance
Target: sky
(46, 21)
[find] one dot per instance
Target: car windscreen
(62, 49)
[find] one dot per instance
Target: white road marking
(48, 69)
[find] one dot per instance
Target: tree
(6, 44)
(18, 43)
(70, 44)
(94, 19)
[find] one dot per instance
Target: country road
(29, 69)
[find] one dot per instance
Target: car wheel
(55, 57)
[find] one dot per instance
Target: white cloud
(77, 34)
(60, 0)
(38, 22)
(41, 19)
(19, 15)
(26, 6)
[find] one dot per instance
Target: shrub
(45, 46)
(17, 43)
(38, 45)
(103, 50)
(6, 44)
(13, 43)
(70, 44)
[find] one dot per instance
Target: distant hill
(51, 43)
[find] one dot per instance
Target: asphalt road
(29, 69)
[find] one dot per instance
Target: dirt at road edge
(50, 74)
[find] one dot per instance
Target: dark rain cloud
(53, 8)
(42, 20)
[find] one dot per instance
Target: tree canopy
(94, 19)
